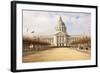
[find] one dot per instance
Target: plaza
(57, 54)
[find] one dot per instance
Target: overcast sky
(44, 22)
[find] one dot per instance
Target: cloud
(44, 22)
(39, 22)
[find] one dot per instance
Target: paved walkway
(55, 54)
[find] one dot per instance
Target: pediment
(60, 33)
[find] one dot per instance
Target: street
(56, 54)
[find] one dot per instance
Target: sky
(44, 22)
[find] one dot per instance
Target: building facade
(61, 37)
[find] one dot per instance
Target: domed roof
(60, 25)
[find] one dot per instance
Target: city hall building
(61, 36)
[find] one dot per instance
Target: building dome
(60, 25)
